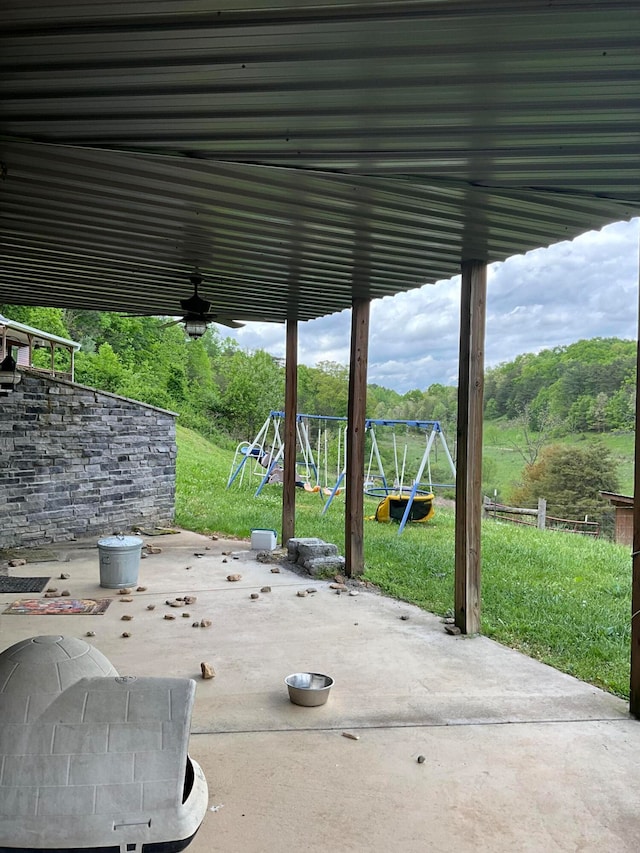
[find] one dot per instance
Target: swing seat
(392, 508)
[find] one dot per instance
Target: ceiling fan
(196, 313)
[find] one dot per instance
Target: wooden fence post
(542, 513)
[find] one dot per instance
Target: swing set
(322, 451)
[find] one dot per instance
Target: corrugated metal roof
(299, 154)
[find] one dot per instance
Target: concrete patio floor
(518, 757)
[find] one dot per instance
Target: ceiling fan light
(195, 328)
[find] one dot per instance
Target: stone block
(323, 566)
(311, 550)
(294, 544)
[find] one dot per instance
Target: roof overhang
(301, 155)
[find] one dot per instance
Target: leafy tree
(102, 369)
(253, 388)
(332, 389)
(570, 479)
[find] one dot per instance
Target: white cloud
(548, 297)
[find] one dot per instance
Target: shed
(623, 505)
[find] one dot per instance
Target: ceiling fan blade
(232, 324)
(171, 323)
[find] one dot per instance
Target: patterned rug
(58, 606)
(14, 584)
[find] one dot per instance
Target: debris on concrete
(449, 620)
(125, 599)
(169, 616)
(195, 624)
(341, 586)
(353, 592)
(90, 634)
(125, 591)
(186, 615)
(233, 578)
(190, 599)
(265, 589)
(452, 629)
(207, 670)
(151, 607)
(421, 759)
(205, 623)
(152, 549)
(126, 617)
(65, 576)
(254, 595)
(125, 634)
(52, 589)
(225, 560)
(141, 589)
(302, 593)
(65, 592)
(340, 579)
(50, 595)
(404, 617)
(350, 735)
(13, 564)
(311, 589)
(275, 570)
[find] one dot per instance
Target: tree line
(587, 386)
(218, 388)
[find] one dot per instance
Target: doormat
(58, 606)
(13, 584)
(33, 555)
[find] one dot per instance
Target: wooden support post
(469, 440)
(290, 411)
(634, 686)
(356, 415)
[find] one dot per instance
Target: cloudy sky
(552, 296)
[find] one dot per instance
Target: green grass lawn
(561, 598)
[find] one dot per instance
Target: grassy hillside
(504, 463)
(561, 598)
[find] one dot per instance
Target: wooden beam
(356, 415)
(634, 686)
(469, 459)
(290, 411)
(291, 408)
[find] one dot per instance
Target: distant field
(505, 463)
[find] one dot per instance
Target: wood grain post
(356, 414)
(290, 412)
(634, 685)
(469, 441)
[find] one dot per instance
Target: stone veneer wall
(78, 462)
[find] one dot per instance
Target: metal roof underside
(302, 154)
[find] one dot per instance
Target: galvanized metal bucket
(119, 561)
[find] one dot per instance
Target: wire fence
(528, 517)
